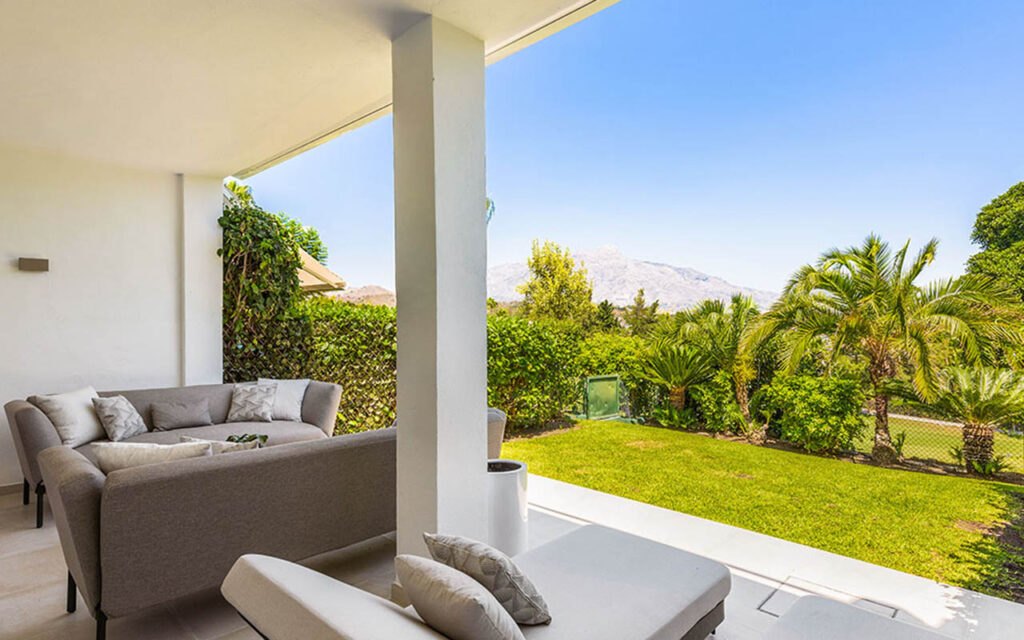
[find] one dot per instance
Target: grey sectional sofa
(146, 535)
(33, 432)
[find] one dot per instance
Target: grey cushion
(179, 414)
(604, 584)
(286, 600)
(119, 417)
(495, 571)
(114, 456)
(278, 432)
(252, 403)
(813, 617)
(73, 415)
(288, 398)
(452, 602)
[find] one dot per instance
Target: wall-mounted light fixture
(33, 264)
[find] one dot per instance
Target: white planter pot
(508, 521)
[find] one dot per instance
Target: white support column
(440, 271)
(200, 279)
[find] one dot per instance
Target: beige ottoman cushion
(604, 584)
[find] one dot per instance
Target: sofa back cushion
(218, 397)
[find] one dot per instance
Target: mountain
(617, 277)
(370, 294)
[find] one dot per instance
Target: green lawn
(933, 440)
(924, 524)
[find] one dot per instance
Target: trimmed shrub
(816, 414)
(532, 369)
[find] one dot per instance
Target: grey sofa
(33, 432)
(146, 535)
(599, 584)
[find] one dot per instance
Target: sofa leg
(72, 594)
(24, 492)
(101, 626)
(40, 491)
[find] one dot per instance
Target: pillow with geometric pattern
(120, 418)
(495, 571)
(252, 403)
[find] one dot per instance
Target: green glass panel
(602, 397)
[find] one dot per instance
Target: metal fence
(929, 440)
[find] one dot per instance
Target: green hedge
(816, 414)
(532, 369)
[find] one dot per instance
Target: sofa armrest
(74, 486)
(320, 405)
(32, 432)
(174, 528)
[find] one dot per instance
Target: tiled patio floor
(768, 576)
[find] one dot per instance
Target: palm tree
(676, 367)
(726, 336)
(980, 399)
(865, 301)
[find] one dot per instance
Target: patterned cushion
(73, 415)
(178, 414)
(220, 446)
(119, 417)
(252, 403)
(453, 603)
(495, 571)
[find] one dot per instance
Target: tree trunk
(883, 452)
(743, 400)
(978, 442)
(677, 397)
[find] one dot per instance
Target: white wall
(110, 311)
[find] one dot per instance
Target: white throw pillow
(73, 415)
(119, 417)
(111, 456)
(452, 602)
(222, 446)
(252, 403)
(288, 398)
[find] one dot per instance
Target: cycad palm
(981, 399)
(726, 337)
(865, 301)
(676, 367)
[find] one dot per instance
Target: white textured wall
(109, 312)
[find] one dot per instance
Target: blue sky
(740, 138)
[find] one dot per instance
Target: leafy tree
(605, 318)
(727, 337)
(865, 301)
(677, 368)
(641, 317)
(306, 237)
(556, 289)
(999, 230)
(262, 330)
(980, 398)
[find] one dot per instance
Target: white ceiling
(219, 87)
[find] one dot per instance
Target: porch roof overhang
(217, 88)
